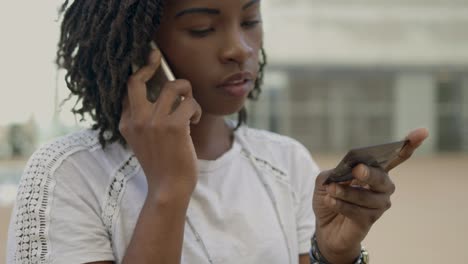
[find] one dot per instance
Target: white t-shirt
(78, 203)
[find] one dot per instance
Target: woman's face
(215, 45)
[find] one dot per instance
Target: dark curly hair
(98, 42)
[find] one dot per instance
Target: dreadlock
(98, 42)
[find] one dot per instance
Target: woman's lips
(238, 88)
(238, 84)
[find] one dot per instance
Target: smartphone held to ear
(162, 75)
(373, 156)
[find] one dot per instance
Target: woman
(163, 182)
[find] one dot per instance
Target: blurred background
(341, 74)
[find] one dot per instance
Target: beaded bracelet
(317, 258)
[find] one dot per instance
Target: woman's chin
(226, 109)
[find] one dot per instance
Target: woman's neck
(212, 137)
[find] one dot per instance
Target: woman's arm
(158, 235)
(159, 232)
(159, 135)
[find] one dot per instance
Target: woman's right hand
(160, 135)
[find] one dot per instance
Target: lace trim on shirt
(115, 191)
(35, 195)
(266, 165)
(279, 174)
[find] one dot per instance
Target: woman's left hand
(346, 212)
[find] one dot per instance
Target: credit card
(372, 156)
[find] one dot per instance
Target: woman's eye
(200, 32)
(251, 23)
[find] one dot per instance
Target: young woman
(172, 181)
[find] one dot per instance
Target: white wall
(367, 33)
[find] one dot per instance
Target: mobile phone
(162, 75)
(373, 156)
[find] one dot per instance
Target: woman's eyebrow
(210, 11)
(202, 10)
(249, 4)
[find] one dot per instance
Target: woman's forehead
(183, 3)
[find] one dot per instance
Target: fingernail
(153, 45)
(155, 56)
(134, 67)
(363, 172)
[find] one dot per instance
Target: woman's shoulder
(73, 154)
(52, 153)
(74, 165)
(82, 143)
(85, 139)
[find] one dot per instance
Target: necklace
(199, 240)
(269, 190)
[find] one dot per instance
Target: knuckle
(123, 128)
(388, 204)
(392, 188)
(382, 177)
(373, 218)
(138, 125)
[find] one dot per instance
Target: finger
(171, 93)
(358, 183)
(189, 109)
(364, 217)
(145, 73)
(321, 179)
(377, 179)
(415, 139)
(137, 82)
(359, 196)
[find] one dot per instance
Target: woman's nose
(236, 48)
